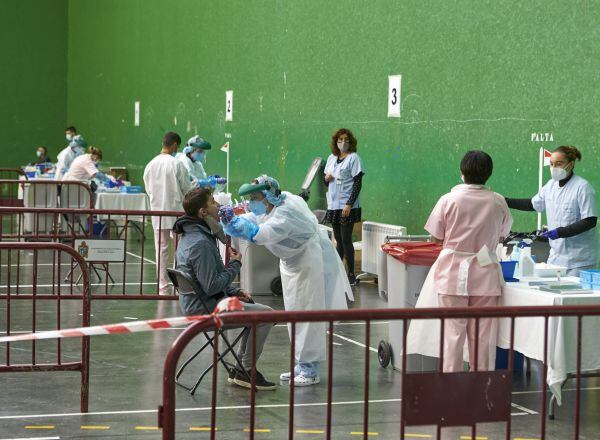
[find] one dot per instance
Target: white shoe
(285, 377)
(304, 381)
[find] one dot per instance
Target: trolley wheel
(276, 286)
(384, 353)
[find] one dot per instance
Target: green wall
(33, 78)
(475, 75)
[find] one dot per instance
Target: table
(38, 196)
(117, 201)
(562, 332)
(424, 335)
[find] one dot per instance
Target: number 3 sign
(394, 84)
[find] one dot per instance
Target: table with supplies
(424, 335)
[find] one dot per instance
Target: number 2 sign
(229, 105)
(394, 86)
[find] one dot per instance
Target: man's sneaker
(285, 377)
(301, 380)
(260, 383)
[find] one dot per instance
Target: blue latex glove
(551, 235)
(102, 177)
(241, 227)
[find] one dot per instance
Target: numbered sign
(229, 105)
(136, 114)
(394, 84)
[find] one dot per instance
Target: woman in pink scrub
(469, 221)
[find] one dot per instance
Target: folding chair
(186, 286)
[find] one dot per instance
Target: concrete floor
(125, 386)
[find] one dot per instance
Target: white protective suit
(63, 162)
(194, 169)
(312, 274)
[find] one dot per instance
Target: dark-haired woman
(570, 205)
(343, 177)
(469, 222)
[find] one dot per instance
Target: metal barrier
(479, 396)
(135, 277)
(41, 193)
(12, 173)
(21, 305)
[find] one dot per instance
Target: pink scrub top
(466, 219)
(82, 168)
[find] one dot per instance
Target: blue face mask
(199, 157)
(257, 207)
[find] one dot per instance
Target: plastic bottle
(526, 263)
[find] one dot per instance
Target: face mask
(558, 173)
(38, 153)
(344, 146)
(69, 137)
(257, 207)
(199, 157)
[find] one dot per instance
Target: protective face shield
(198, 143)
(558, 173)
(258, 207)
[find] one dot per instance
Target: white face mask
(69, 137)
(343, 146)
(558, 173)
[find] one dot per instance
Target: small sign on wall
(101, 250)
(394, 88)
(229, 105)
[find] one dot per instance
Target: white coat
(564, 206)
(312, 274)
(195, 169)
(166, 182)
(63, 162)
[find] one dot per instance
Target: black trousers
(345, 248)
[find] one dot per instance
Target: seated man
(198, 256)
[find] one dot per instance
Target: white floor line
(352, 341)
(140, 257)
(220, 408)
(525, 410)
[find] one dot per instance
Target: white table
(116, 201)
(38, 196)
(562, 332)
(424, 335)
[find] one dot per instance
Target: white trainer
(301, 380)
(285, 377)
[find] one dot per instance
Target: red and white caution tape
(231, 304)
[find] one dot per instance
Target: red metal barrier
(42, 193)
(12, 173)
(35, 301)
(422, 403)
(133, 278)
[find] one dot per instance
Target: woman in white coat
(312, 274)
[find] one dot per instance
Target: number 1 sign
(394, 84)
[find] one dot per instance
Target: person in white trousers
(166, 180)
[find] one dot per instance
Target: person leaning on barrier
(198, 257)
